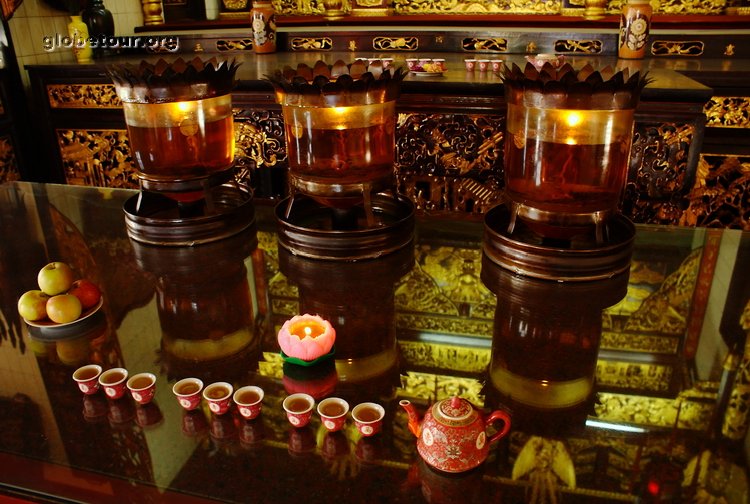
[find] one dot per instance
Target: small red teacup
(142, 387)
(188, 392)
(219, 397)
(299, 408)
(113, 382)
(332, 411)
(87, 378)
(249, 401)
(368, 417)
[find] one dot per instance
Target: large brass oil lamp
(340, 123)
(567, 150)
(567, 145)
(181, 132)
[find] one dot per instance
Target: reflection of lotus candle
(306, 337)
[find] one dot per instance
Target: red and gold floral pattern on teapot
(452, 436)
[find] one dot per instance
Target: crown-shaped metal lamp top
(562, 86)
(338, 85)
(178, 80)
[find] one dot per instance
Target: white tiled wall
(34, 20)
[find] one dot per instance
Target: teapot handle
(496, 416)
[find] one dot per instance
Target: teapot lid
(454, 411)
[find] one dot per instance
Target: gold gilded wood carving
(667, 309)
(692, 6)
(438, 154)
(444, 325)
(259, 142)
(311, 44)
(8, 164)
(728, 112)
(453, 357)
(658, 168)
(234, 45)
(635, 376)
(642, 343)
(299, 7)
(434, 194)
(444, 294)
(684, 412)
(83, 96)
(676, 7)
(435, 387)
(737, 418)
(721, 194)
(477, 7)
(677, 48)
(578, 46)
(485, 44)
(97, 158)
(395, 43)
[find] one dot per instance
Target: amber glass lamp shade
(567, 144)
(340, 123)
(180, 125)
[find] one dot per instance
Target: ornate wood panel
(8, 162)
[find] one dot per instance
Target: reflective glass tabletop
(629, 389)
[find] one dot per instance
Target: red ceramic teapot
(452, 436)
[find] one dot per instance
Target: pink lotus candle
(306, 337)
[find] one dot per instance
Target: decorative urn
(452, 436)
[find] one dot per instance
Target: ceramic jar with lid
(635, 23)
(263, 22)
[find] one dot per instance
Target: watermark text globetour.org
(168, 43)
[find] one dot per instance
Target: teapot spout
(414, 423)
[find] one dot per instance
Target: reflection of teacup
(249, 401)
(219, 397)
(87, 378)
(188, 392)
(368, 417)
(222, 427)
(368, 450)
(94, 408)
(148, 415)
(332, 411)
(252, 432)
(335, 444)
(299, 408)
(142, 387)
(194, 423)
(120, 411)
(301, 441)
(113, 382)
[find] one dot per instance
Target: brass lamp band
(540, 393)
(365, 368)
(208, 349)
(330, 189)
(567, 219)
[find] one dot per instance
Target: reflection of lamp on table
(340, 123)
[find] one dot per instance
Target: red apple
(55, 278)
(63, 308)
(32, 305)
(87, 292)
